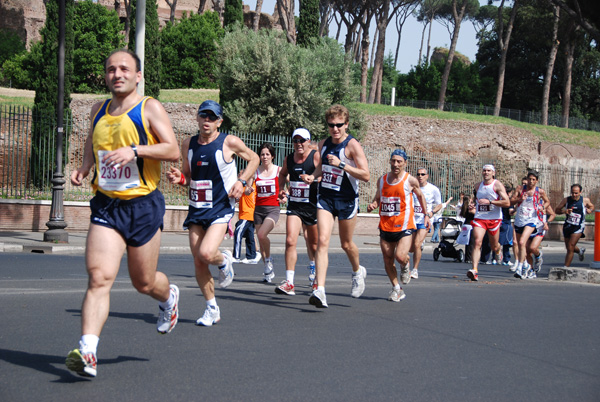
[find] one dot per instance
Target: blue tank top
(336, 183)
(577, 215)
(302, 196)
(211, 180)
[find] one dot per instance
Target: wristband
(134, 147)
(182, 180)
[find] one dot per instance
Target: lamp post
(56, 225)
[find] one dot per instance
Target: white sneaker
(414, 274)
(513, 267)
(254, 260)
(318, 298)
(226, 272)
(311, 274)
(405, 273)
(268, 273)
(519, 271)
(538, 261)
(211, 316)
(167, 318)
(358, 282)
(581, 253)
(397, 295)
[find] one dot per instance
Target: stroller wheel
(436, 254)
(461, 256)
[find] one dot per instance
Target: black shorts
(394, 237)
(569, 229)
(308, 217)
(137, 219)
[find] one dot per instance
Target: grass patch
(545, 133)
(16, 101)
(194, 96)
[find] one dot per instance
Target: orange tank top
(396, 209)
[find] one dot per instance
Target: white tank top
(487, 211)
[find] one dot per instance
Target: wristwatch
(342, 165)
(243, 182)
(134, 147)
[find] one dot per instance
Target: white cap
(302, 132)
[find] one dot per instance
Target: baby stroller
(448, 235)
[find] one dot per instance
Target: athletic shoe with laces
(538, 261)
(514, 267)
(268, 273)
(311, 274)
(167, 318)
(396, 295)
(531, 274)
(358, 282)
(253, 261)
(519, 271)
(526, 270)
(83, 363)
(211, 316)
(507, 263)
(405, 273)
(414, 274)
(581, 253)
(318, 298)
(472, 275)
(226, 271)
(286, 288)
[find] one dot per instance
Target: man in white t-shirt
(434, 204)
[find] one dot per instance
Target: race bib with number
(574, 219)
(299, 191)
(485, 208)
(526, 212)
(117, 179)
(265, 188)
(418, 209)
(390, 206)
(332, 177)
(201, 194)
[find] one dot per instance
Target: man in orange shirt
(394, 197)
(244, 227)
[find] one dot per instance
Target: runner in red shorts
(490, 198)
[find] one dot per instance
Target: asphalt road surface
(501, 339)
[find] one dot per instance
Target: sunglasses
(338, 125)
(209, 116)
(299, 140)
(421, 174)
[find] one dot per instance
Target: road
(501, 339)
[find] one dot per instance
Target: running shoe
(498, 259)
(311, 274)
(84, 364)
(286, 288)
(526, 270)
(494, 262)
(507, 263)
(358, 282)
(268, 273)
(167, 318)
(226, 271)
(472, 275)
(486, 262)
(514, 267)
(519, 271)
(318, 299)
(538, 261)
(414, 274)
(531, 274)
(211, 316)
(255, 260)
(397, 295)
(405, 273)
(581, 253)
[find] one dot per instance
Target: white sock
(212, 303)
(321, 288)
(289, 275)
(89, 343)
(169, 302)
(397, 287)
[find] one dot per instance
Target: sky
(411, 37)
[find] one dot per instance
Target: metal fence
(554, 119)
(451, 173)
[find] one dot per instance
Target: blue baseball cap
(211, 105)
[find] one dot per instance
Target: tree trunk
(458, 16)
(257, 11)
(364, 66)
(127, 16)
(429, 40)
(285, 9)
(382, 23)
(172, 5)
(503, 42)
(550, 67)
(375, 39)
(202, 6)
(567, 79)
(421, 48)
(325, 20)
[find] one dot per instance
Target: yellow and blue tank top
(113, 132)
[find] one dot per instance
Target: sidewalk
(177, 243)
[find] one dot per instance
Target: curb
(580, 275)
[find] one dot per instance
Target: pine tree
(43, 148)
(233, 13)
(308, 25)
(152, 61)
